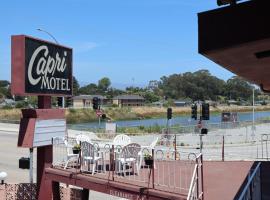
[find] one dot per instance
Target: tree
(150, 97)
(89, 89)
(4, 83)
(112, 92)
(200, 85)
(135, 90)
(104, 84)
(238, 89)
(76, 86)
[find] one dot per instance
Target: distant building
(181, 103)
(233, 102)
(158, 103)
(128, 100)
(86, 101)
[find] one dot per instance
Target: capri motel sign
(43, 69)
(40, 67)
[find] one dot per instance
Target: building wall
(129, 102)
(115, 101)
(78, 104)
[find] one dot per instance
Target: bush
(7, 107)
(21, 104)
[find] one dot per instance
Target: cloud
(85, 47)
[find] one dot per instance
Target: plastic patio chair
(89, 155)
(121, 140)
(82, 138)
(68, 147)
(129, 157)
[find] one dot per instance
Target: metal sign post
(99, 113)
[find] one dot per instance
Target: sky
(129, 41)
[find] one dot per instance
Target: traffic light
(169, 113)
(194, 111)
(103, 116)
(68, 102)
(95, 103)
(205, 111)
(204, 131)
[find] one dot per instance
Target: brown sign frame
(19, 66)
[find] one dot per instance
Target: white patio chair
(121, 140)
(148, 149)
(89, 156)
(129, 157)
(82, 138)
(68, 150)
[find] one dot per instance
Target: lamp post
(253, 112)
(3, 176)
(42, 30)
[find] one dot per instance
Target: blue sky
(129, 41)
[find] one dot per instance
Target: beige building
(128, 100)
(86, 101)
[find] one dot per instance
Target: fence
(229, 141)
(196, 191)
(126, 164)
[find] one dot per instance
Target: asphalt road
(9, 158)
(9, 162)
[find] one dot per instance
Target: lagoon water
(183, 120)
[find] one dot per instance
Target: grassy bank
(88, 115)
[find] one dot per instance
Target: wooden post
(85, 194)
(56, 190)
(44, 159)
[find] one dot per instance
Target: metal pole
(201, 145)
(175, 146)
(223, 148)
(153, 169)
(167, 134)
(63, 102)
(99, 121)
(31, 165)
(253, 112)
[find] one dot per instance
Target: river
(183, 120)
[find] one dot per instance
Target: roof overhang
(238, 38)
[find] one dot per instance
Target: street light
(253, 111)
(42, 30)
(3, 176)
(39, 29)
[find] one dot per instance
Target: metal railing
(252, 190)
(167, 173)
(173, 173)
(196, 186)
(242, 142)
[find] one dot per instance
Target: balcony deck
(222, 180)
